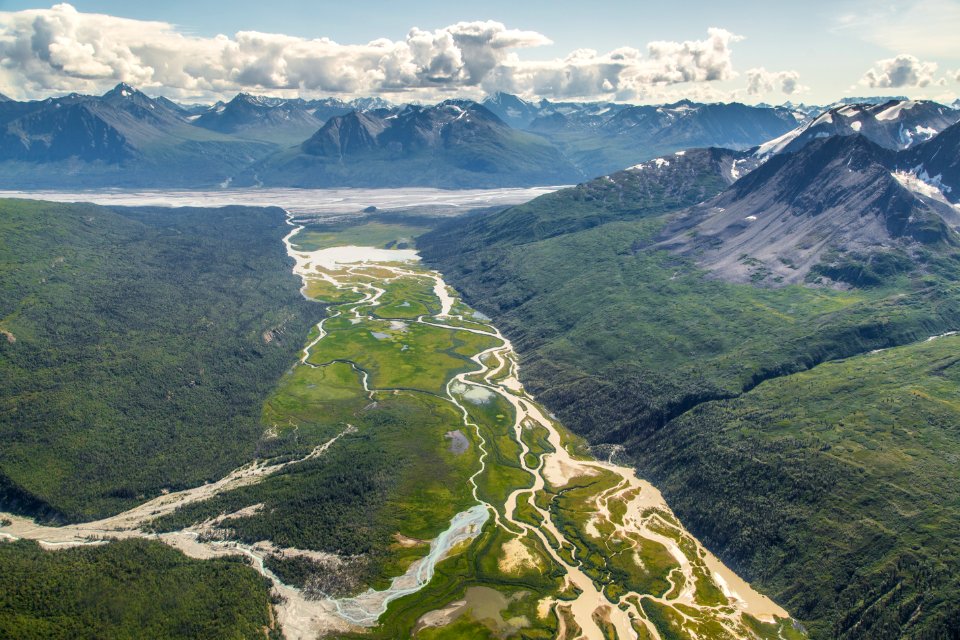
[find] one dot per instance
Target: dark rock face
(937, 162)
(71, 131)
(349, 134)
(407, 131)
(89, 128)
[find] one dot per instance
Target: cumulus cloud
(624, 73)
(62, 49)
(760, 81)
(902, 71)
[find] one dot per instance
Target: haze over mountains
(607, 136)
(457, 143)
(127, 139)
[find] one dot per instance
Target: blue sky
(815, 51)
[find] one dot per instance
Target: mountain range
(456, 143)
(123, 138)
(604, 137)
(127, 139)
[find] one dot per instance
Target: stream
(497, 373)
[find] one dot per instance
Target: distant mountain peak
(869, 100)
(123, 90)
(506, 99)
(892, 124)
(244, 98)
(371, 104)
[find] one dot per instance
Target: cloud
(925, 27)
(62, 49)
(761, 81)
(624, 73)
(902, 71)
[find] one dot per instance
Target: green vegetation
(380, 474)
(407, 298)
(645, 336)
(866, 454)
(619, 340)
(626, 195)
(391, 472)
(476, 566)
(535, 437)
(416, 356)
(129, 589)
(395, 474)
(141, 345)
(495, 418)
(637, 564)
(326, 291)
(375, 233)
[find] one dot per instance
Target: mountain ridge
(455, 143)
(834, 196)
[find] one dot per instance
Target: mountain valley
(344, 367)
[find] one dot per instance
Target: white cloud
(623, 74)
(902, 71)
(61, 49)
(760, 81)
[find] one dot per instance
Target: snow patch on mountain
(893, 112)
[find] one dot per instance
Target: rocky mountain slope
(937, 162)
(824, 213)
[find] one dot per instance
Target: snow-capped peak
(893, 111)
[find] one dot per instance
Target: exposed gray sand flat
(458, 441)
(308, 202)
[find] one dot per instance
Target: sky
(813, 52)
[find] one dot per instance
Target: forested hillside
(139, 346)
(837, 486)
(129, 589)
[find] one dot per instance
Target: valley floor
(511, 529)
